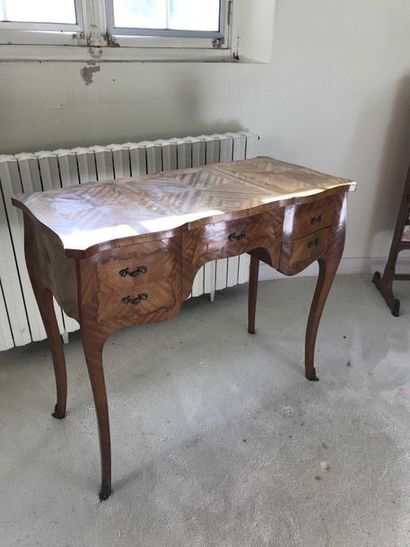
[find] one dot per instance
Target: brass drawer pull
(237, 237)
(134, 301)
(139, 270)
(314, 243)
(316, 220)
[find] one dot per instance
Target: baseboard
(348, 266)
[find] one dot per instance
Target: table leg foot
(58, 413)
(312, 376)
(105, 492)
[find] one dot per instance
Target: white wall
(335, 97)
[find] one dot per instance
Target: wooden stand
(384, 283)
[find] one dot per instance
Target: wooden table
(122, 253)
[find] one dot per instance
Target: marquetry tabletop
(86, 215)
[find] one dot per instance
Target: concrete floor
(218, 440)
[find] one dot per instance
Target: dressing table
(123, 253)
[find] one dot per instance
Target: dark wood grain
(384, 282)
(44, 298)
(93, 339)
(252, 293)
(305, 219)
(157, 289)
(328, 264)
(298, 254)
(125, 253)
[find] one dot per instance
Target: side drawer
(139, 280)
(297, 255)
(155, 298)
(127, 268)
(308, 218)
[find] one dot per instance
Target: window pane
(167, 14)
(38, 11)
(194, 14)
(140, 13)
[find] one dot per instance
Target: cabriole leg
(327, 270)
(45, 303)
(93, 351)
(57, 352)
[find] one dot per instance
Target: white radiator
(20, 321)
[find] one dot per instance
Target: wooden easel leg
(45, 303)
(384, 284)
(327, 270)
(93, 351)
(252, 293)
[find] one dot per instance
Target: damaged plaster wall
(88, 71)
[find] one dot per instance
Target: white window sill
(63, 53)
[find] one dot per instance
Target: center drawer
(234, 237)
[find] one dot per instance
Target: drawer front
(235, 237)
(129, 268)
(297, 255)
(302, 220)
(139, 280)
(148, 299)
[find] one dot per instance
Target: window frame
(95, 28)
(168, 33)
(248, 37)
(24, 32)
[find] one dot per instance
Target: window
(40, 14)
(128, 30)
(102, 25)
(193, 18)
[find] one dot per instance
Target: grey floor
(218, 440)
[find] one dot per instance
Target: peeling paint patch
(111, 40)
(87, 72)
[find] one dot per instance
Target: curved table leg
(57, 351)
(252, 293)
(45, 303)
(93, 351)
(327, 270)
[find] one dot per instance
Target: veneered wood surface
(121, 253)
(154, 291)
(87, 216)
(307, 218)
(304, 239)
